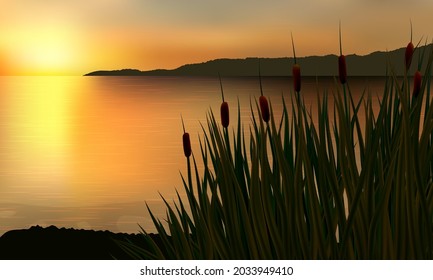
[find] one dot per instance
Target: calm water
(88, 152)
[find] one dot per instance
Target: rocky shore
(52, 243)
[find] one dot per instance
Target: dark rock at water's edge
(52, 243)
(373, 64)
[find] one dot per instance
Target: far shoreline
(374, 64)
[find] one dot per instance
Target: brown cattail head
(186, 144)
(296, 71)
(342, 72)
(408, 55)
(416, 83)
(186, 141)
(264, 107)
(225, 119)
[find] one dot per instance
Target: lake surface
(89, 152)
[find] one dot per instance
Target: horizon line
(210, 60)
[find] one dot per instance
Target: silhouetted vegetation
(305, 187)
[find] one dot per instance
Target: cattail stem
(409, 51)
(342, 70)
(183, 125)
(408, 55)
(339, 34)
(296, 71)
(293, 46)
(260, 81)
(225, 116)
(221, 85)
(411, 30)
(342, 73)
(264, 106)
(188, 163)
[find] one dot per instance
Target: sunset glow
(49, 51)
(76, 37)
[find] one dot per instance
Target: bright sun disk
(45, 52)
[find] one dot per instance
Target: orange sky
(49, 37)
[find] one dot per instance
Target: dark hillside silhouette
(373, 64)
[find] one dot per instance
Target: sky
(53, 37)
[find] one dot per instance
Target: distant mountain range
(374, 64)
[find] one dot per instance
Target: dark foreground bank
(52, 243)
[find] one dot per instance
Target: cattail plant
(340, 188)
(409, 51)
(187, 151)
(186, 142)
(264, 106)
(416, 83)
(296, 71)
(225, 117)
(408, 54)
(342, 72)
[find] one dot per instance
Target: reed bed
(337, 188)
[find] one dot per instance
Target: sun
(46, 59)
(44, 51)
(48, 55)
